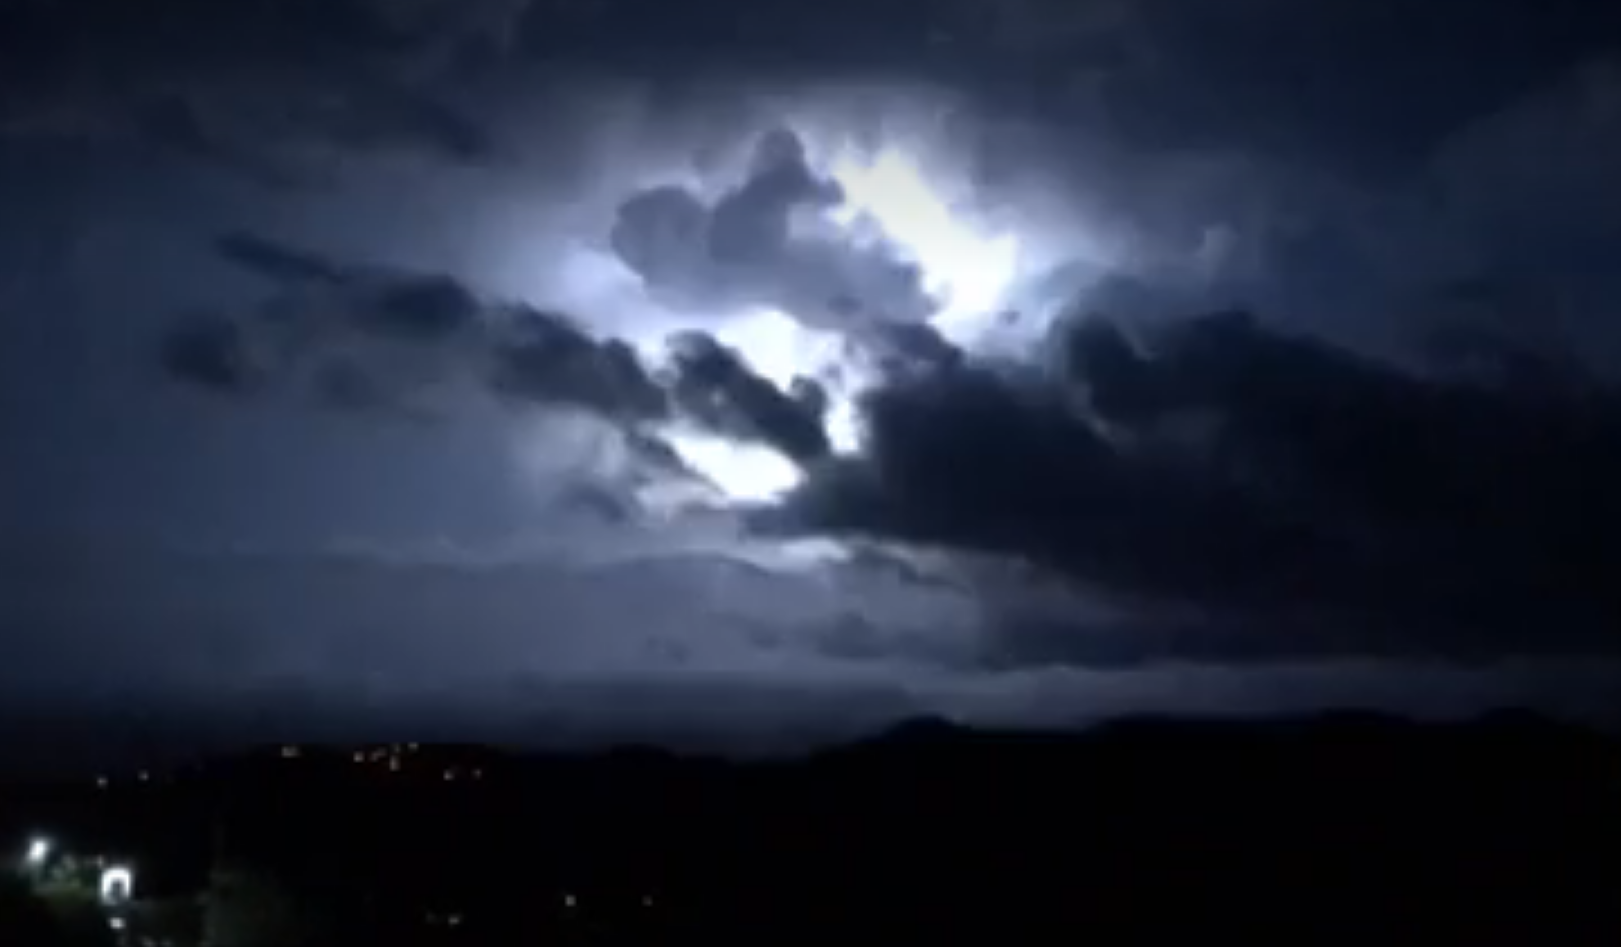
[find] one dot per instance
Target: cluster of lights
(106, 782)
(393, 757)
(396, 756)
(115, 886)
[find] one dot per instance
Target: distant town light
(116, 923)
(39, 849)
(117, 884)
(569, 900)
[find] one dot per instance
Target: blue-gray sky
(324, 373)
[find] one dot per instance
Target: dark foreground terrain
(1339, 829)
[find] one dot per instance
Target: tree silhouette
(53, 915)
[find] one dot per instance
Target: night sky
(759, 370)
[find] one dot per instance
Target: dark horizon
(77, 749)
(1339, 829)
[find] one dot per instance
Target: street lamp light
(39, 849)
(117, 885)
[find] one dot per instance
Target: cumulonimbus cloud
(759, 244)
(1279, 492)
(278, 94)
(1286, 495)
(1257, 477)
(374, 338)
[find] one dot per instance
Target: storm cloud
(280, 94)
(1252, 493)
(1406, 457)
(367, 337)
(1254, 478)
(765, 241)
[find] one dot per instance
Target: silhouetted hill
(1338, 827)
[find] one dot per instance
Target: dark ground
(1342, 829)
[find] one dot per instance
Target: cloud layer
(759, 244)
(1151, 484)
(1255, 494)
(1333, 500)
(371, 338)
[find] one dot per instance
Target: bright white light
(970, 268)
(117, 884)
(778, 347)
(781, 348)
(38, 850)
(891, 193)
(746, 473)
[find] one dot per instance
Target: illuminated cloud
(832, 337)
(828, 266)
(768, 311)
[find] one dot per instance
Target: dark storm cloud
(549, 360)
(357, 324)
(714, 384)
(274, 261)
(1360, 85)
(759, 244)
(1254, 476)
(1249, 496)
(269, 90)
(245, 85)
(209, 351)
(368, 337)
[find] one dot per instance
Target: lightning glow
(890, 194)
(741, 473)
(970, 268)
(780, 349)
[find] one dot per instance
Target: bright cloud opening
(890, 194)
(970, 268)
(782, 349)
(741, 473)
